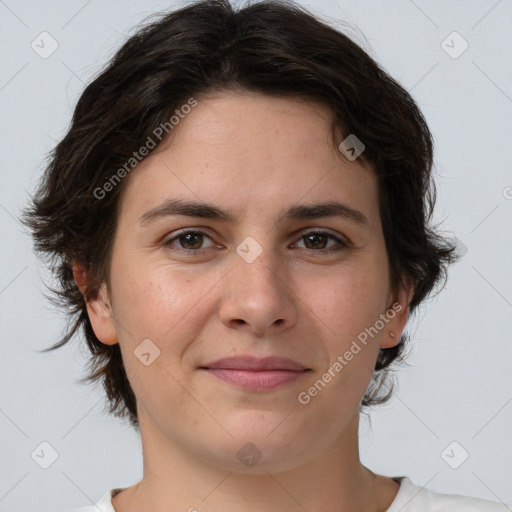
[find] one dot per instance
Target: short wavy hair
(272, 47)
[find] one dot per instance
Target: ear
(98, 308)
(397, 314)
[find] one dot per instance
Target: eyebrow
(208, 211)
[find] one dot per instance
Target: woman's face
(272, 280)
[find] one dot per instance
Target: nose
(258, 295)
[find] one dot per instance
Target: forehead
(251, 151)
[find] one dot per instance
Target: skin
(257, 156)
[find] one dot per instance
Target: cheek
(144, 303)
(162, 305)
(347, 304)
(159, 302)
(347, 300)
(151, 299)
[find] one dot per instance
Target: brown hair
(273, 47)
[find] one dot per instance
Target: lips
(256, 374)
(248, 363)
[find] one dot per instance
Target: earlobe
(99, 308)
(397, 313)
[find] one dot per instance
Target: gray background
(456, 386)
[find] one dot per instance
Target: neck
(175, 481)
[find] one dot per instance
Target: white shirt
(410, 498)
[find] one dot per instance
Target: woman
(240, 219)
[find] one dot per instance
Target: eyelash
(169, 245)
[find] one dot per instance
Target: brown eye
(188, 241)
(318, 240)
(315, 241)
(191, 240)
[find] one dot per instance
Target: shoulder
(103, 505)
(411, 498)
